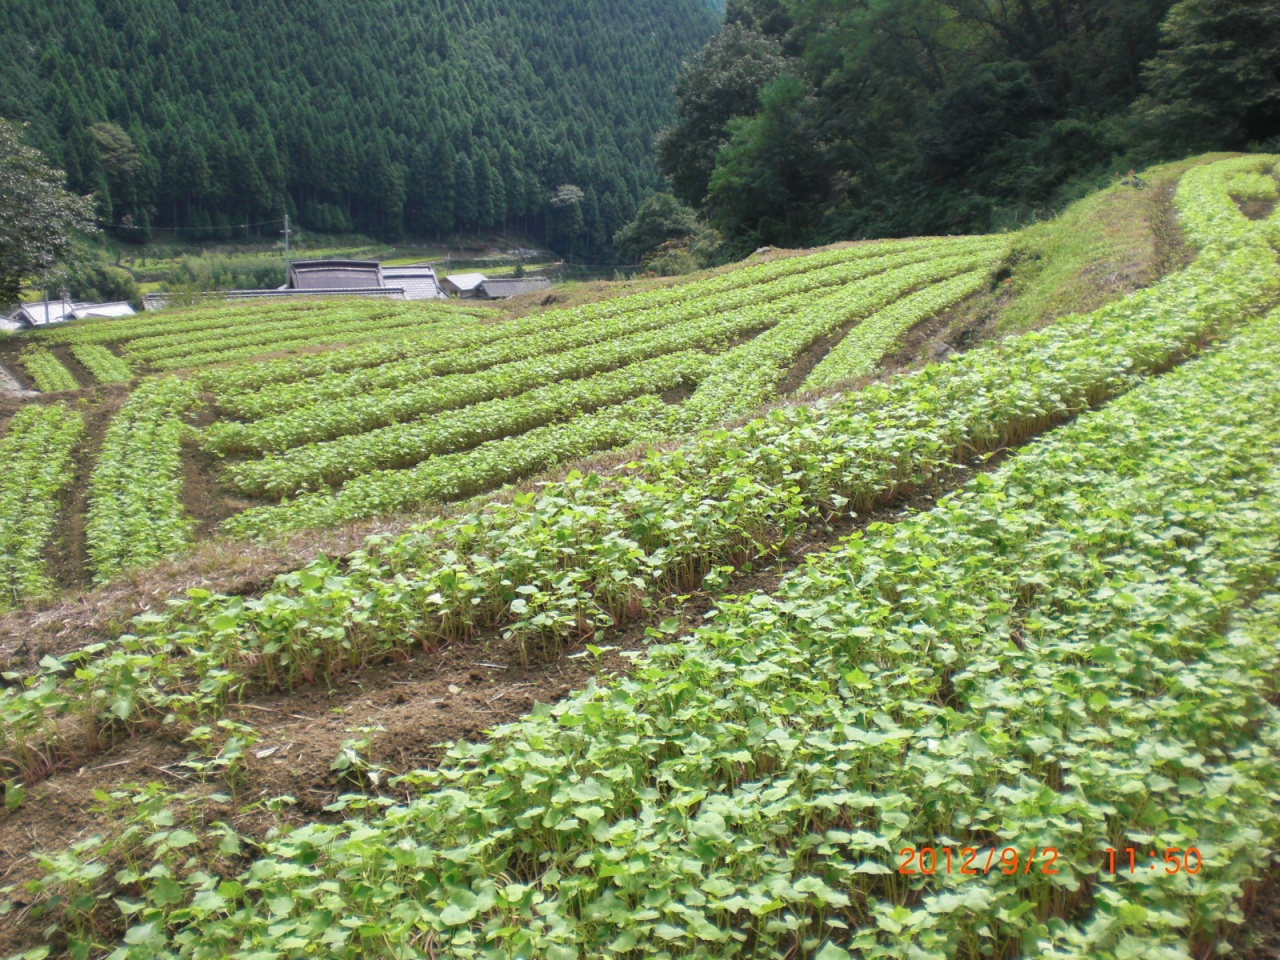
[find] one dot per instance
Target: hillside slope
(1070, 657)
(381, 115)
(315, 416)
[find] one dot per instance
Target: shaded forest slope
(383, 116)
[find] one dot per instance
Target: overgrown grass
(1100, 248)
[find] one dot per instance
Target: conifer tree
(1215, 83)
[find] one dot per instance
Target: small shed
(335, 275)
(463, 285)
(501, 288)
(417, 282)
(84, 311)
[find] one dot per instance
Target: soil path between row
(408, 710)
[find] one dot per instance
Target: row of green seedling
(235, 329)
(102, 364)
(322, 465)
(764, 300)
(588, 548)
(1035, 663)
(232, 316)
(370, 459)
(250, 378)
(457, 476)
(590, 551)
(1206, 210)
(862, 349)
(749, 375)
(171, 348)
(585, 349)
(47, 372)
(37, 451)
(136, 516)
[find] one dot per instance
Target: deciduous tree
(724, 81)
(38, 215)
(660, 217)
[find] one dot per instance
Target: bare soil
(1172, 252)
(69, 559)
(78, 370)
(11, 347)
(1259, 937)
(1256, 209)
(11, 386)
(206, 499)
(813, 355)
(678, 395)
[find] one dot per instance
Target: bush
(674, 263)
(101, 284)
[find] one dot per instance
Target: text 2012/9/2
(972, 861)
(926, 861)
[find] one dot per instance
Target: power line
(121, 226)
(284, 221)
(287, 235)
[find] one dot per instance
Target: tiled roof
(41, 312)
(501, 287)
(463, 282)
(334, 274)
(83, 310)
(418, 283)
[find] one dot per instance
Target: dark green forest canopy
(430, 116)
(898, 117)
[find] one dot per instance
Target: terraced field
(958, 732)
(325, 414)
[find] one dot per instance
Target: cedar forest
(802, 121)
(383, 116)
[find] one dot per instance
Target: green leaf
(181, 838)
(140, 934)
(624, 942)
(164, 891)
(463, 906)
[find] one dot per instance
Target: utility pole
(45, 284)
(286, 249)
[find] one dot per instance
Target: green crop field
(326, 413)
(1035, 717)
